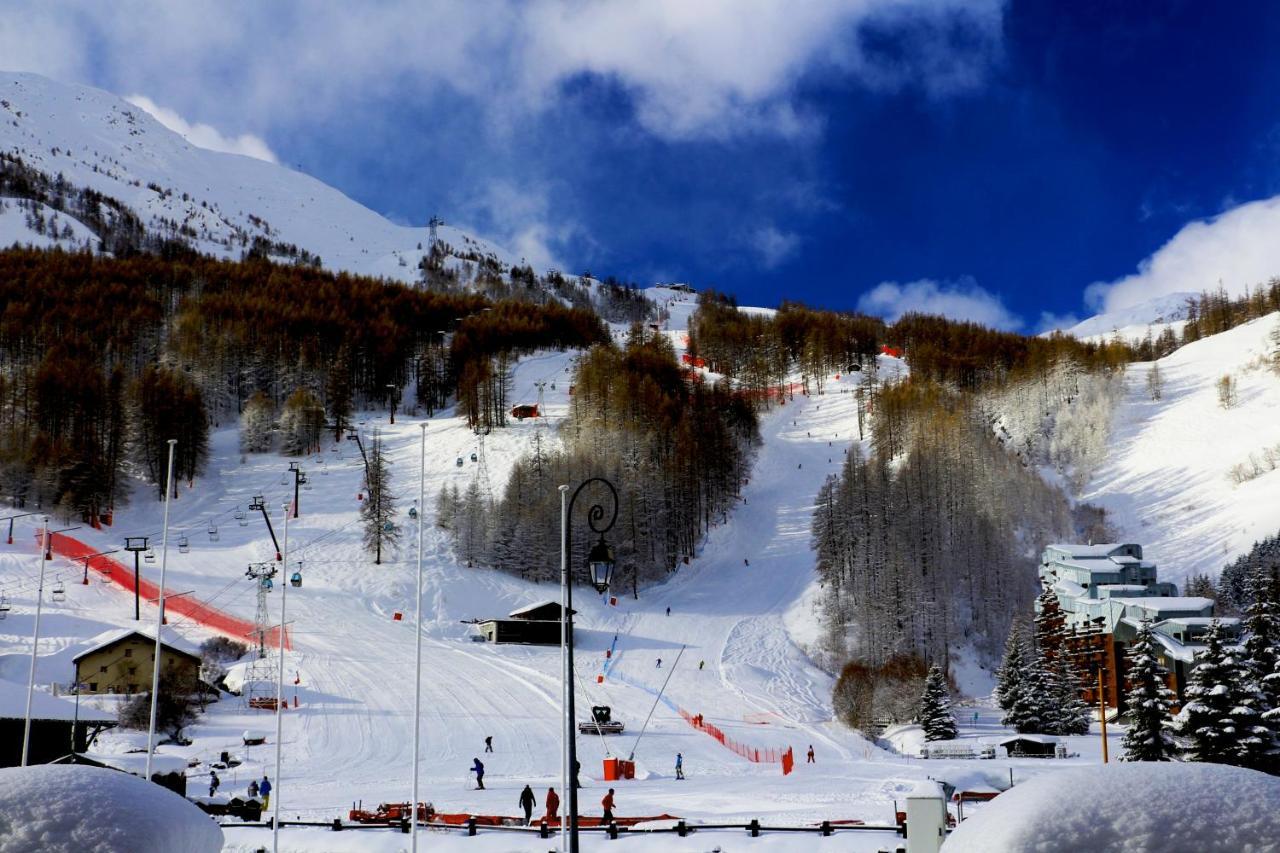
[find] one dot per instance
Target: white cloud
(959, 300)
(1050, 322)
(707, 69)
(520, 219)
(204, 135)
(774, 246)
(1239, 248)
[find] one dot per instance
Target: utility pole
(394, 393)
(35, 645)
(1102, 714)
(155, 661)
(136, 544)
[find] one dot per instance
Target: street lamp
(35, 646)
(280, 641)
(136, 544)
(600, 564)
(164, 565)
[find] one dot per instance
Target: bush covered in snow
(1140, 806)
(77, 809)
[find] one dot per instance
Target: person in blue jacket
(264, 788)
(478, 769)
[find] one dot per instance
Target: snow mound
(1172, 808)
(78, 809)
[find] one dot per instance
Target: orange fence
(767, 755)
(194, 609)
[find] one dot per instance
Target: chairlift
(59, 592)
(213, 532)
(459, 461)
(242, 517)
(388, 527)
(296, 579)
(150, 556)
(474, 457)
(284, 479)
(266, 584)
(4, 606)
(184, 544)
(413, 512)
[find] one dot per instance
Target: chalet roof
(13, 706)
(1041, 739)
(169, 639)
(540, 610)
(1087, 552)
(1165, 604)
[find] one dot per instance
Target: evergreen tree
(934, 713)
(1068, 713)
(378, 511)
(256, 422)
(1148, 737)
(1221, 720)
(1012, 672)
(1031, 711)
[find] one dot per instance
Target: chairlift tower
(482, 469)
(259, 679)
(433, 223)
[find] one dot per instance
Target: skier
(214, 782)
(659, 666)
(264, 787)
(811, 761)
(668, 611)
(253, 789)
(553, 805)
(746, 561)
(607, 802)
(478, 769)
(527, 802)
(701, 664)
(679, 766)
(488, 743)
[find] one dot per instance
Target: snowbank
(1197, 808)
(80, 809)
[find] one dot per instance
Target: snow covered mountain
(1132, 323)
(221, 202)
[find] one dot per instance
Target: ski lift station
(535, 625)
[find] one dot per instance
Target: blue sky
(1018, 163)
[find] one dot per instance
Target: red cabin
(524, 411)
(896, 352)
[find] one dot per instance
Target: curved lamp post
(600, 564)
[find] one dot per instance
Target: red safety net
(186, 606)
(754, 754)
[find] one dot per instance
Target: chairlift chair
(459, 461)
(474, 457)
(413, 512)
(59, 592)
(184, 544)
(4, 606)
(150, 556)
(213, 533)
(267, 584)
(242, 517)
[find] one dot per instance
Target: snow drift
(1196, 808)
(77, 809)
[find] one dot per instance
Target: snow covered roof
(1209, 808)
(136, 762)
(551, 607)
(1045, 739)
(1195, 621)
(1070, 589)
(13, 706)
(70, 808)
(168, 638)
(1087, 552)
(1164, 604)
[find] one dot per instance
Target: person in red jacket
(607, 802)
(553, 805)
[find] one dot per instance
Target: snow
(1165, 482)
(13, 705)
(1170, 807)
(15, 231)
(169, 639)
(1132, 323)
(80, 809)
(136, 762)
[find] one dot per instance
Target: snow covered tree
(256, 422)
(1032, 711)
(1066, 712)
(1262, 654)
(1155, 382)
(1148, 737)
(1221, 720)
(934, 713)
(377, 513)
(1012, 672)
(301, 423)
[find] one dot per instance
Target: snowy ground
(350, 739)
(1166, 480)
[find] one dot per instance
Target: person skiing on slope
(679, 766)
(264, 787)
(527, 802)
(701, 664)
(553, 805)
(488, 743)
(478, 769)
(659, 666)
(607, 802)
(668, 611)
(810, 760)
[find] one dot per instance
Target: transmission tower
(541, 386)
(259, 678)
(482, 469)
(433, 223)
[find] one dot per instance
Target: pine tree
(378, 510)
(1222, 720)
(1012, 672)
(256, 422)
(1068, 713)
(1148, 737)
(1031, 711)
(934, 713)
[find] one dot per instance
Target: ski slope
(1166, 480)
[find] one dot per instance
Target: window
(102, 669)
(128, 653)
(93, 685)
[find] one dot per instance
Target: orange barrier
(754, 754)
(192, 608)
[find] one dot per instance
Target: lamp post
(35, 645)
(136, 544)
(284, 596)
(417, 638)
(10, 519)
(155, 661)
(600, 564)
